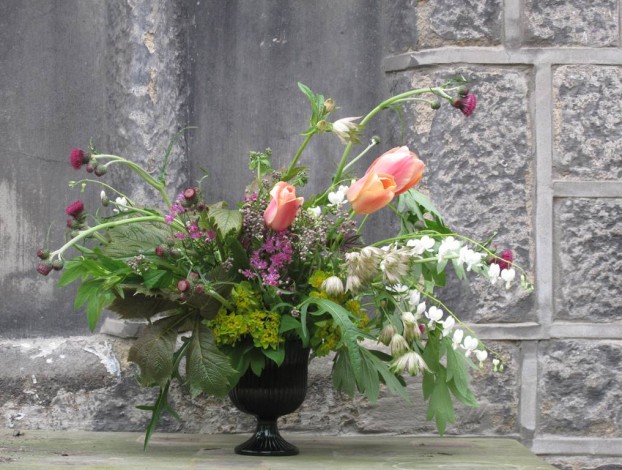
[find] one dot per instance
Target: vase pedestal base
(267, 441)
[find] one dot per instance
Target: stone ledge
(53, 450)
(593, 189)
(502, 56)
(577, 446)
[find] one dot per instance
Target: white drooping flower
(104, 198)
(469, 344)
(421, 308)
(398, 345)
(493, 273)
(448, 325)
(346, 129)
(411, 328)
(456, 339)
(333, 286)
(434, 314)
(362, 267)
(399, 290)
(449, 247)
(420, 245)
(410, 362)
(481, 355)
(508, 276)
(469, 257)
(387, 333)
(395, 265)
(315, 211)
(339, 196)
(413, 298)
(122, 205)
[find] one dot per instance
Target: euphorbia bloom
(393, 173)
(283, 207)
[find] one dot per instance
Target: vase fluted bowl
(277, 392)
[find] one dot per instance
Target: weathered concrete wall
(539, 162)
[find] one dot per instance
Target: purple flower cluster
(271, 258)
(176, 208)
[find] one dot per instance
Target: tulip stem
(438, 91)
(373, 143)
(288, 174)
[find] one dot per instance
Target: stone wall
(539, 162)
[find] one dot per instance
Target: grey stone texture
(416, 25)
(587, 122)
(580, 388)
(588, 279)
(480, 175)
(584, 463)
(594, 23)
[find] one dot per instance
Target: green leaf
(132, 239)
(257, 361)
(88, 290)
(95, 306)
(424, 202)
(260, 162)
(138, 305)
(72, 270)
(207, 368)
(440, 406)
(289, 323)
(379, 361)
(276, 355)
(153, 351)
(157, 279)
(343, 374)
(226, 220)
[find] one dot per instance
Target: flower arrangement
(224, 288)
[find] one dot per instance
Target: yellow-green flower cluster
(247, 319)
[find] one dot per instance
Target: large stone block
(414, 25)
(579, 390)
(587, 122)
(571, 23)
(480, 175)
(584, 462)
(588, 279)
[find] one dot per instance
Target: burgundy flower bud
(58, 264)
(193, 276)
(183, 285)
(506, 259)
(466, 104)
(44, 268)
(77, 158)
(199, 289)
(100, 170)
(190, 194)
(75, 209)
(463, 91)
(182, 297)
(90, 167)
(421, 328)
(43, 254)
(161, 251)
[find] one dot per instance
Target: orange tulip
(392, 173)
(402, 164)
(283, 207)
(371, 193)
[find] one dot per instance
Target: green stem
(92, 230)
(150, 180)
(373, 143)
(288, 173)
(438, 91)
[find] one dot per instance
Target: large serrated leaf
(132, 239)
(208, 369)
(153, 352)
(343, 375)
(440, 406)
(226, 220)
(137, 305)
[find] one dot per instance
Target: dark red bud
(58, 264)
(44, 268)
(199, 289)
(43, 254)
(183, 285)
(190, 194)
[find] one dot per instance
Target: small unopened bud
(199, 289)
(436, 104)
(329, 105)
(386, 335)
(104, 198)
(463, 91)
(182, 297)
(322, 126)
(58, 264)
(90, 166)
(183, 285)
(161, 251)
(175, 253)
(43, 254)
(44, 268)
(100, 170)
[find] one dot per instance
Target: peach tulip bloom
(392, 173)
(402, 164)
(283, 207)
(371, 193)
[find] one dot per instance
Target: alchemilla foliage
(225, 287)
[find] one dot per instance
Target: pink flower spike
(75, 209)
(77, 158)
(466, 105)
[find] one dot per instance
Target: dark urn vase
(278, 391)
